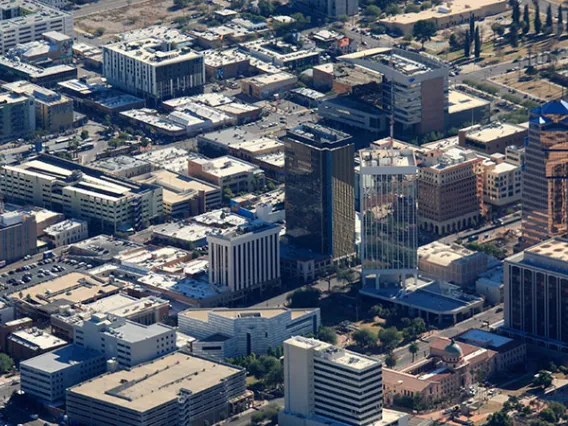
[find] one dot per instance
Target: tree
(558, 408)
(513, 36)
(304, 298)
(373, 11)
(498, 30)
(548, 415)
(6, 363)
(327, 334)
(471, 26)
(526, 19)
(467, 45)
(181, 4)
(499, 419)
(543, 378)
(85, 134)
(365, 338)
(560, 21)
(99, 31)
(413, 348)
(390, 360)
(477, 44)
(227, 195)
(266, 8)
(453, 42)
(423, 31)
(274, 377)
(516, 13)
(549, 23)
(390, 338)
(537, 21)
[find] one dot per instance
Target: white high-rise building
(389, 233)
(327, 385)
(246, 258)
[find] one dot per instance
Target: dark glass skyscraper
(320, 203)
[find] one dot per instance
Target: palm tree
(413, 348)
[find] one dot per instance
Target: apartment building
(176, 389)
(327, 385)
(450, 190)
(17, 116)
(154, 68)
(53, 111)
(228, 333)
(536, 293)
(27, 20)
(226, 172)
(320, 200)
(128, 342)
(67, 232)
(245, 259)
(492, 138)
(18, 236)
(47, 376)
(545, 174)
(107, 202)
(414, 88)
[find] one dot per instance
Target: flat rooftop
(224, 166)
(37, 339)
(133, 332)
(333, 354)
(204, 314)
(35, 13)
(149, 50)
(65, 225)
(267, 79)
(150, 385)
(443, 254)
(555, 248)
(485, 339)
(460, 101)
(116, 164)
(491, 132)
(180, 183)
(61, 358)
(442, 12)
(387, 157)
(123, 305)
(192, 288)
(75, 287)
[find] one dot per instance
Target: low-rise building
(146, 310)
(47, 376)
(185, 196)
(28, 343)
(492, 138)
(226, 172)
(177, 388)
(123, 166)
(227, 333)
(173, 159)
(490, 286)
(225, 64)
(18, 236)
(11, 326)
(282, 54)
(41, 300)
(267, 207)
(464, 109)
(453, 263)
(128, 342)
(67, 232)
(53, 111)
(266, 86)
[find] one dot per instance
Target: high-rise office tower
(536, 293)
(320, 197)
(414, 88)
(388, 216)
(327, 385)
(545, 174)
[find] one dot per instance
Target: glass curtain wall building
(388, 216)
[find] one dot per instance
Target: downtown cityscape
(283, 212)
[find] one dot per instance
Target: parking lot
(34, 273)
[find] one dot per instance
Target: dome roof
(454, 349)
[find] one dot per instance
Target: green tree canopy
(390, 338)
(6, 363)
(424, 30)
(327, 334)
(304, 298)
(365, 338)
